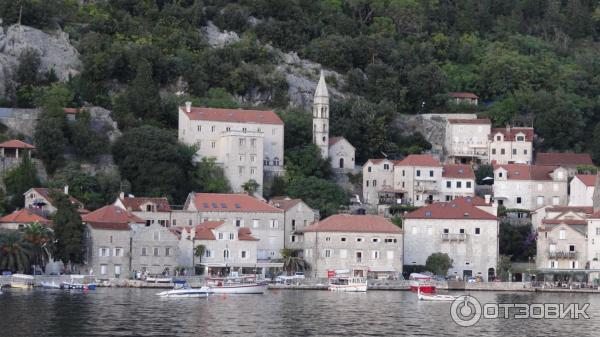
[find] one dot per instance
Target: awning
(386, 269)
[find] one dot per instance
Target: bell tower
(321, 117)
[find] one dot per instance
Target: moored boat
(78, 282)
(159, 279)
(236, 285)
(183, 289)
(422, 286)
(348, 284)
(432, 297)
(21, 281)
(50, 285)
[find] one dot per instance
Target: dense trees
(439, 263)
(18, 181)
(68, 230)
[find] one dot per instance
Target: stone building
(378, 183)
(41, 202)
(154, 249)
(265, 221)
(361, 245)
(21, 219)
(15, 149)
(338, 149)
(247, 144)
(459, 228)
(529, 187)
(227, 248)
(152, 210)
(463, 98)
(561, 245)
(108, 248)
(420, 176)
(569, 161)
(457, 181)
(581, 189)
(511, 145)
(467, 140)
(297, 216)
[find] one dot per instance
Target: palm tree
(41, 240)
(15, 252)
(199, 252)
(292, 262)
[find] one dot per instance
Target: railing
(428, 188)
(454, 237)
(562, 255)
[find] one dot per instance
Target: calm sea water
(138, 312)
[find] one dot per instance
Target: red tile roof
(458, 171)
(576, 209)
(233, 115)
(510, 134)
(111, 214)
(475, 201)
(419, 160)
(354, 223)
(45, 192)
(564, 159)
(527, 172)
(469, 121)
(24, 216)
(16, 144)
(244, 234)
(456, 209)
(223, 202)
(587, 179)
(565, 221)
(134, 204)
(284, 203)
(463, 95)
(203, 231)
(71, 111)
(114, 226)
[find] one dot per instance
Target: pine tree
(68, 229)
(18, 181)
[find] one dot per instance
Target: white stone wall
(326, 251)
(97, 239)
(452, 191)
(581, 195)
(477, 252)
(533, 194)
(161, 247)
(241, 155)
(517, 152)
(31, 196)
(571, 238)
(296, 219)
(419, 182)
(342, 153)
(382, 173)
(467, 139)
(593, 243)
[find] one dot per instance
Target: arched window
(276, 161)
(266, 161)
(341, 162)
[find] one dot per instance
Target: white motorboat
(159, 279)
(79, 282)
(183, 289)
(50, 285)
(348, 284)
(431, 297)
(236, 285)
(22, 281)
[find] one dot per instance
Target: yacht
(348, 284)
(236, 285)
(183, 289)
(21, 281)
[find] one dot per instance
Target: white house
(457, 181)
(467, 233)
(511, 145)
(529, 187)
(246, 143)
(467, 140)
(341, 153)
(582, 190)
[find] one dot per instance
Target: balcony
(561, 254)
(454, 237)
(430, 187)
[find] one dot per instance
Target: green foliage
(399, 210)
(483, 171)
(587, 169)
(18, 181)
(68, 230)
(596, 144)
(154, 162)
(516, 242)
(306, 162)
(324, 195)
(251, 186)
(199, 252)
(297, 128)
(292, 262)
(15, 252)
(41, 241)
(210, 178)
(504, 267)
(439, 263)
(87, 142)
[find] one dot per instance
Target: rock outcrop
(54, 49)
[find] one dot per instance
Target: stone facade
(107, 252)
(341, 154)
(380, 171)
(562, 246)
(511, 146)
(467, 140)
(582, 190)
(39, 199)
(297, 216)
(155, 249)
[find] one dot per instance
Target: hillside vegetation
(530, 61)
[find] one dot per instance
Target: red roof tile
(463, 95)
(244, 234)
(45, 192)
(419, 160)
(564, 159)
(203, 231)
(469, 121)
(222, 202)
(565, 221)
(71, 111)
(458, 171)
(284, 203)
(575, 209)
(510, 134)
(379, 160)
(16, 144)
(456, 209)
(354, 223)
(527, 172)
(114, 226)
(233, 115)
(24, 216)
(587, 179)
(475, 201)
(111, 214)
(134, 204)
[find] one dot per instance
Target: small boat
(50, 285)
(236, 285)
(159, 279)
(78, 282)
(22, 281)
(183, 289)
(430, 297)
(348, 284)
(421, 286)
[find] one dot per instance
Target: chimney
(507, 127)
(188, 106)
(66, 189)
(488, 198)
(121, 195)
